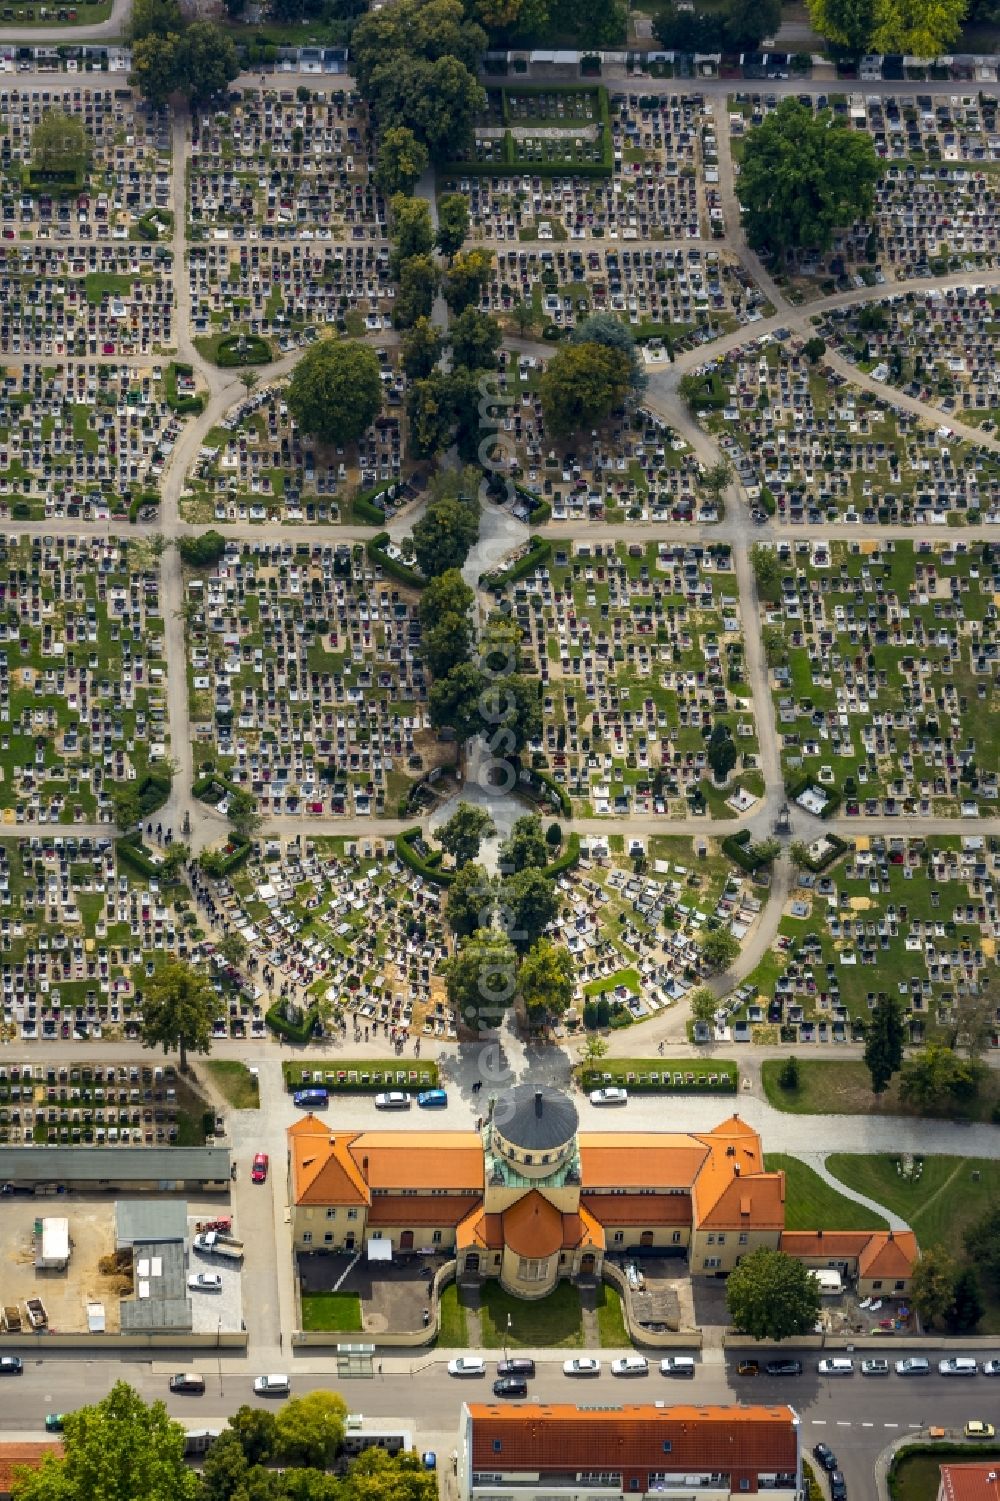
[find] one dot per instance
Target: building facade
(558, 1452)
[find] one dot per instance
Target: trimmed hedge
(838, 848)
(539, 551)
(381, 1074)
(833, 796)
(236, 858)
(299, 1032)
(375, 548)
(421, 865)
(508, 163)
(592, 1076)
(569, 858)
(204, 784)
(364, 511)
(130, 852)
(742, 853)
(549, 784)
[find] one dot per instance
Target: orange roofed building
(541, 1452)
(530, 1200)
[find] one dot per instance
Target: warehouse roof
(114, 1164)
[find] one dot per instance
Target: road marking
(818, 1422)
(868, 1425)
(914, 1425)
(843, 1422)
(890, 1425)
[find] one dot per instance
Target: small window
(307, 1236)
(497, 1445)
(877, 1286)
(675, 1238)
(722, 1240)
(528, 1159)
(667, 1446)
(619, 1237)
(352, 1214)
(899, 1286)
(436, 1237)
(744, 1238)
(331, 1214)
(328, 1238)
(633, 1484)
(744, 1485)
(711, 1240)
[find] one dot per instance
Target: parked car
(991, 1367)
(836, 1366)
(467, 1365)
(977, 1428)
(11, 1365)
(876, 1366)
(309, 1099)
(826, 1457)
(913, 1365)
(205, 1282)
(517, 1365)
(432, 1099)
(611, 1094)
(510, 1386)
(630, 1365)
(958, 1365)
(55, 1422)
(838, 1486)
(677, 1365)
(189, 1383)
(272, 1386)
(784, 1368)
(582, 1365)
(258, 1171)
(393, 1099)
(748, 1368)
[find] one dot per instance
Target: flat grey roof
(150, 1219)
(167, 1305)
(114, 1164)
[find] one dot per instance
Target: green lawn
(811, 1204)
(939, 1206)
(332, 1311)
(453, 1330)
(845, 1089)
(550, 1322)
(236, 1082)
(917, 1477)
(611, 1319)
(99, 283)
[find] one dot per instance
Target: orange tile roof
(481, 1230)
(732, 1191)
(400, 1211)
(323, 1170)
(30, 1455)
(543, 1438)
(971, 1482)
(631, 1159)
(533, 1226)
(432, 1159)
(889, 1253)
(879, 1253)
(641, 1210)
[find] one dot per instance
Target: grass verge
(611, 1319)
(453, 1328)
(550, 1323)
(844, 1088)
(236, 1082)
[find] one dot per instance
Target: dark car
(517, 1365)
(748, 1368)
(826, 1457)
(510, 1386)
(784, 1368)
(10, 1365)
(838, 1487)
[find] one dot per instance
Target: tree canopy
(203, 551)
(482, 979)
(524, 846)
(116, 1450)
(445, 533)
(884, 1042)
(421, 348)
(772, 1296)
(528, 902)
(178, 1009)
(475, 338)
(804, 176)
(199, 60)
(412, 231)
(465, 830)
(60, 145)
(547, 979)
(309, 1430)
(581, 385)
(453, 222)
(336, 390)
(471, 901)
(610, 332)
(402, 160)
(719, 948)
(848, 24)
(466, 277)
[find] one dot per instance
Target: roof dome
(536, 1118)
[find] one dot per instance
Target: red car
(258, 1173)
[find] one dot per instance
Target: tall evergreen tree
(884, 1043)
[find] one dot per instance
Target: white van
(272, 1386)
(958, 1365)
(677, 1365)
(837, 1366)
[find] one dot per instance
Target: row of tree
(918, 28)
(172, 55)
(121, 1448)
(738, 26)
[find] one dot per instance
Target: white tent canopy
(379, 1249)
